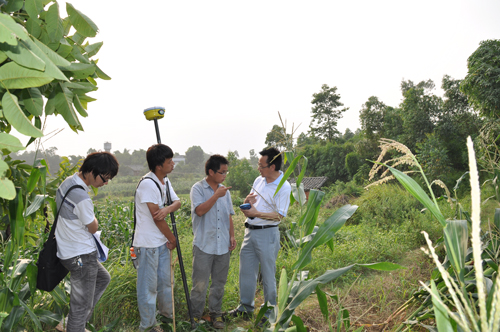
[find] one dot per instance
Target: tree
(277, 137)
(371, 117)
(194, 156)
(326, 113)
(241, 174)
(40, 61)
(482, 83)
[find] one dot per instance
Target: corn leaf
(323, 302)
(456, 236)
(283, 290)
(417, 192)
(298, 193)
(442, 317)
(16, 208)
(33, 179)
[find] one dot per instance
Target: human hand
(250, 213)
(251, 198)
(161, 214)
(232, 243)
(171, 245)
(221, 191)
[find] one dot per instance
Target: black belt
(247, 225)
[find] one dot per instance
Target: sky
(224, 69)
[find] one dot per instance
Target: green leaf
(33, 27)
(3, 57)
(32, 315)
(80, 70)
(16, 218)
(33, 179)
(35, 205)
(288, 172)
(54, 23)
(14, 76)
(33, 8)
(102, 75)
(15, 115)
(383, 266)
(13, 5)
(64, 105)
(23, 56)
(93, 49)
(7, 189)
(33, 101)
(456, 236)
(11, 143)
(323, 302)
(299, 324)
(325, 232)
(442, 318)
(310, 216)
(77, 54)
(55, 58)
(64, 48)
(10, 31)
(417, 192)
(282, 291)
(298, 194)
(81, 22)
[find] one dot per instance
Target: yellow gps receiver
(154, 113)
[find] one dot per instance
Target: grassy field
(386, 227)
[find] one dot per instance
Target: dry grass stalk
(442, 185)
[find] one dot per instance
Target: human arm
(93, 226)
(162, 225)
(232, 240)
(204, 207)
(254, 213)
(162, 213)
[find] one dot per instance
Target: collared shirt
(267, 202)
(147, 234)
(211, 230)
(72, 234)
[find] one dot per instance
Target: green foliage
(278, 138)
(241, 174)
(482, 83)
(433, 157)
(328, 160)
(353, 162)
(326, 113)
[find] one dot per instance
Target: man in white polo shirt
(153, 239)
(262, 237)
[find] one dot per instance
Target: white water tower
(107, 146)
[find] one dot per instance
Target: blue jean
(89, 280)
(260, 246)
(153, 283)
(206, 266)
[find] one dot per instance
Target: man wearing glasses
(262, 237)
(211, 210)
(153, 239)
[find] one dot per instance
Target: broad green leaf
(10, 31)
(76, 52)
(325, 232)
(93, 49)
(23, 56)
(310, 216)
(282, 290)
(16, 208)
(456, 236)
(81, 22)
(80, 70)
(298, 194)
(288, 172)
(35, 205)
(64, 48)
(7, 189)
(51, 55)
(48, 317)
(14, 76)
(33, 8)
(78, 38)
(50, 107)
(102, 75)
(33, 27)
(299, 324)
(13, 5)
(33, 101)
(64, 105)
(417, 192)
(54, 23)
(15, 115)
(11, 143)
(33, 179)
(442, 318)
(383, 266)
(3, 57)
(18, 274)
(323, 302)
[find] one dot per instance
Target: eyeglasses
(223, 173)
(260, 166)
(103, 179)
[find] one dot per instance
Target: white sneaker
(62, 325)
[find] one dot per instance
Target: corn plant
(465, 274)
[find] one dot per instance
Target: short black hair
(157, 154)
(273, 157)
(214, 162)
(100, 163)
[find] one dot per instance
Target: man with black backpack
(153, 238)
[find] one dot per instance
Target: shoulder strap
(54, 225)
(135, 217)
